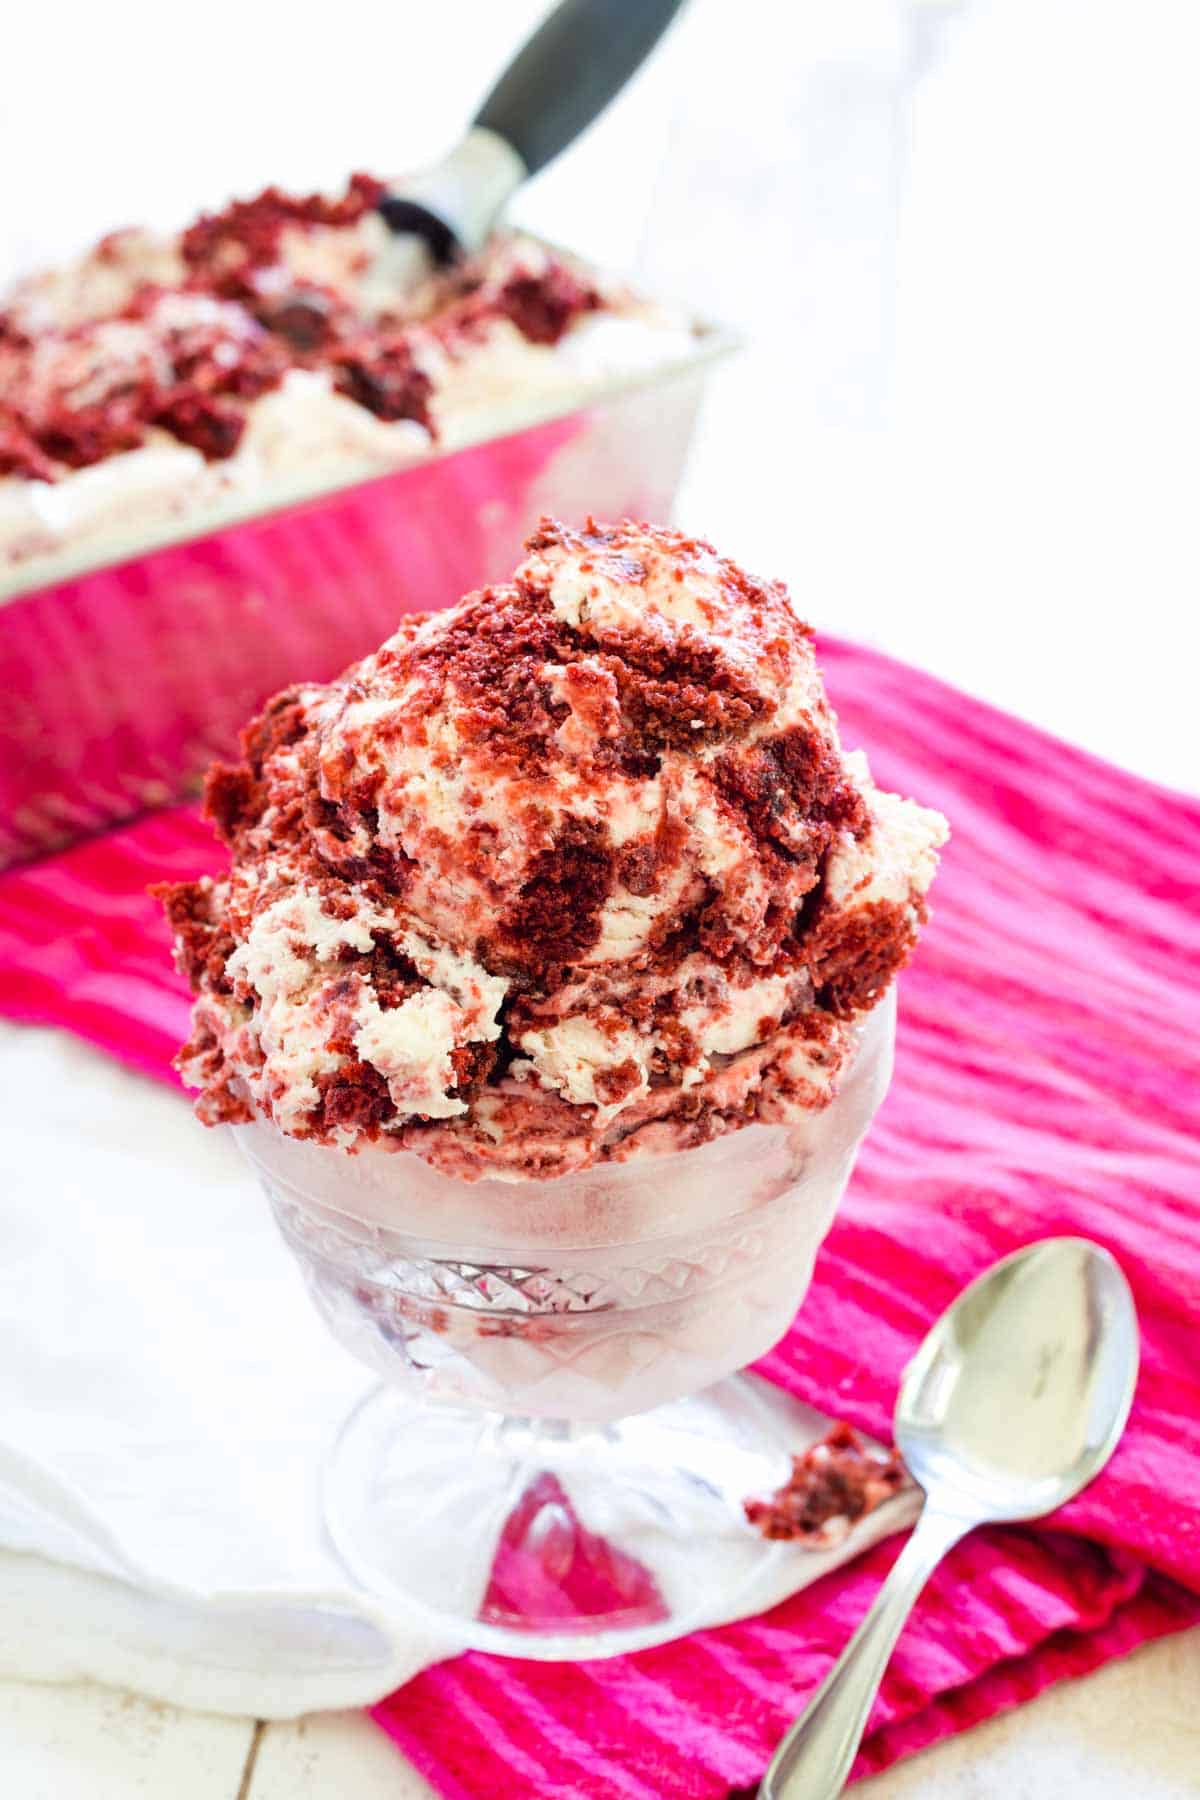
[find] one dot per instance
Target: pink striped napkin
(1047, 1077)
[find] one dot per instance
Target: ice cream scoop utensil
(574, 64)
(1014, 1402)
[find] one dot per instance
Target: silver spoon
(1013, 1403)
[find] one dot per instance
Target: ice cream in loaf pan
(576, 870)
(286, 336)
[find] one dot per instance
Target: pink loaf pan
(125, 677)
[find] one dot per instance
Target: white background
(960, 240)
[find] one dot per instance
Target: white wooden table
(1129, 1732)
(1019, 490)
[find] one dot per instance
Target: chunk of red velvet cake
(833, 1484)
(575, 870)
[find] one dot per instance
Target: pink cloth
(1047, 1080)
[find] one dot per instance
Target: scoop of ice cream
(575, 869)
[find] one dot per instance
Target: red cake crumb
(356, 1096)
(833, 1485)
(227, 247)
(80, 436)
(383, 377)
(20, 454)
(203, 422)
(543, 303)
(542, 307)
(203, 942)
(853, 958)
(557, 914)
(801, 771)
(308, 319)
(231, 798)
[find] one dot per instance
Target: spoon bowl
(1014, 1402)
(1019, 1394)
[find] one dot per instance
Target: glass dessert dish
(547, 987)
(555, 1463)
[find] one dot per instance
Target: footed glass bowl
(555, 1463)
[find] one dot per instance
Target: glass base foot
(536, 1538)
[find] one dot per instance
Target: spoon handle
(814, 1759)
(573, 65)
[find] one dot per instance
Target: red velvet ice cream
(574, 871)
(286, 339)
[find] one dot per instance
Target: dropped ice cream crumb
(833, 1484)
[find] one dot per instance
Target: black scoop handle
(570, 69)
